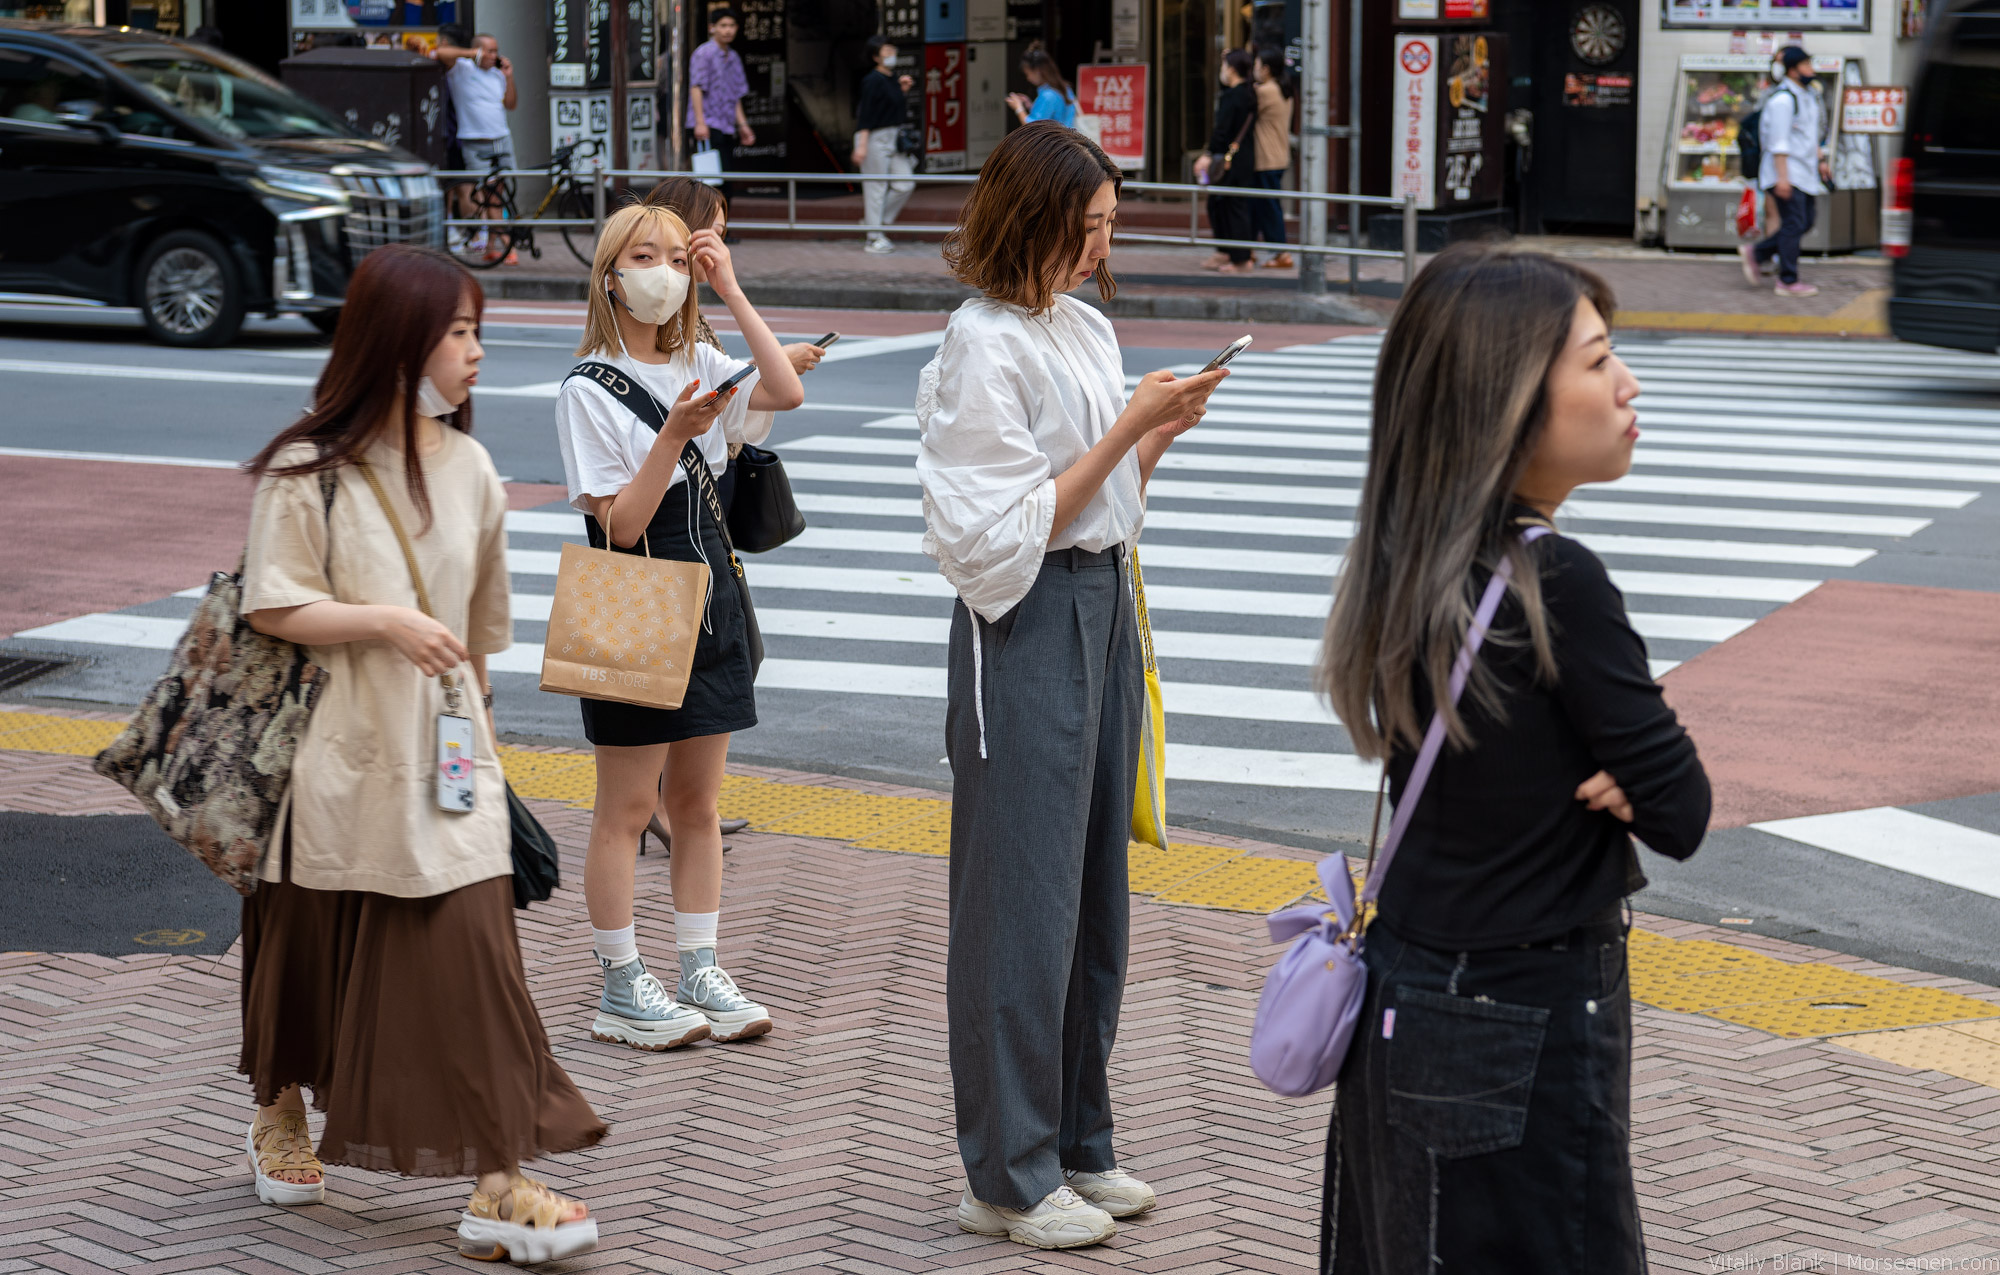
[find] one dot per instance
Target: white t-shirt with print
(603, 444)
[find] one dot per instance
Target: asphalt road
(1875, 469)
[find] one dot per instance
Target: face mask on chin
(652, 294)
(430, 402)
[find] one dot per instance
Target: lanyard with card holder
(455, 738)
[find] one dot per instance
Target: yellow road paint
(1876, 1016)
(1850, 320)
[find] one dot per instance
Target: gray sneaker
(636, 1010)
(729, 1013)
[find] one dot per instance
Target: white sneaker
(879, 244)
(1061, 1220)
(1114, 1190)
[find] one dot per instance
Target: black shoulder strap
(641, 403)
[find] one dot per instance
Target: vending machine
(1704, 181)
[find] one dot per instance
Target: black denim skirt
(1482, 1121)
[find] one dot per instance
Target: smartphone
(826, 342)
(730, 384)
(1229, 352)
(454, 754)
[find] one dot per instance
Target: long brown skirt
(410, 1022)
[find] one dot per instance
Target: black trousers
(1229, 216)
(724, 145)
(1795, 218)
(1482, 1121)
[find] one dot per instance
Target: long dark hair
(400, 304)
(1273, 59)
(1021, 229)
(1036, 59)
(1460, 403)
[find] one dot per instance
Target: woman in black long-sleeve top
(1232, 161)
(1482, 1121)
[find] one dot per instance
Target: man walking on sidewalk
(1794, 170)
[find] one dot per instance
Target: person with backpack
(1793, 166)
(1482, 1118)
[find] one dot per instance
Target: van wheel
(188, 292)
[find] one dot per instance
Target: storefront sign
(1111, 110)
(1788, 15)
(1416, 10)
(944, 20)
(321, 15)
(903, 21)
(944, 108)
(1465, 10)
(1873, 109)
(1603, 89)
(1413, 151)
(763, 43)
(1443, 10)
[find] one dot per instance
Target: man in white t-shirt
(1794, 169)
(482, 92)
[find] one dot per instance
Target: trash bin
(392, 95)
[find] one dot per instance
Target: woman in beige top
(380, 966)
(1274, 151)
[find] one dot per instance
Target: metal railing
(1310, 256)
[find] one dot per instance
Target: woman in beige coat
(380, 966)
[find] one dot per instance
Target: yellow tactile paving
(1152, 870)
(1876, 1016)
(1247, 884)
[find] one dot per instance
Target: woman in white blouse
(626, 478)
(1034, 471)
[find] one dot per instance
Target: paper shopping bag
(623, 627)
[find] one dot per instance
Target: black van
(1942, 219)
(138, 170)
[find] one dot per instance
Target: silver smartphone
(1229, 352)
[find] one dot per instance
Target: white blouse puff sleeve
(989, 492)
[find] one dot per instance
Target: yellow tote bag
(1149, 799)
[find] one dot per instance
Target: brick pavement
(826, 1146)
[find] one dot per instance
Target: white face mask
(652, 294)
(430, 402)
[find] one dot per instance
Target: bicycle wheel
(582, 240)
(484, 248)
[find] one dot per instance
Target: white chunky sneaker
(706, 989)
(636, 1010)
(1061, 1220)
(1114, 1190)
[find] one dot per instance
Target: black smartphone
(827, 340)
(1229, 352)
(730, 384)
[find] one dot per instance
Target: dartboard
(1597, 34)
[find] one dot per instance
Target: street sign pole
(621, 77)
(1314, 110)
(1353, 142)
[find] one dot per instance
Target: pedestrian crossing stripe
(1718, 980)
(1737, 505)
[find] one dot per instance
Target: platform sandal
(532, 1230)
(284, 1146)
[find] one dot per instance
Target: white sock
(615, 947)
(695, 930)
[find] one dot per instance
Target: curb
(1277, 307)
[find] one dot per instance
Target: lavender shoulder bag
(1312, 997)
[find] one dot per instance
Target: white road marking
(1892, 837)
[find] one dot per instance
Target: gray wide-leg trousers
(1039, 903)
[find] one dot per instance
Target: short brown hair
(694, 202)
(1022, 230)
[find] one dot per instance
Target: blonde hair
(600, 324)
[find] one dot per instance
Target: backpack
(1750, 145)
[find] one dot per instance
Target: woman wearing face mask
(427, 1066)
(1034, 468)
(1483, 1116)
(1231, 161)
(878, 126)
(628, 482)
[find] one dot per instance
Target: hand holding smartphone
(1229, 352)
(732, 382)
(826, 342)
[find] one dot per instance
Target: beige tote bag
(623, 626)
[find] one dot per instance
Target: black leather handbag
(537, 870)
(762, 512)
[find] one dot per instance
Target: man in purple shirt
(716, 89)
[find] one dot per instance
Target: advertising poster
(1473, 130)
(1413, 150)
(1873, 109)
(1790, 15)
(1111, 110)
(944, 108)
(762, 42)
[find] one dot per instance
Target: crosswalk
(1748, 491)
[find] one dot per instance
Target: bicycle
(567, 198)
